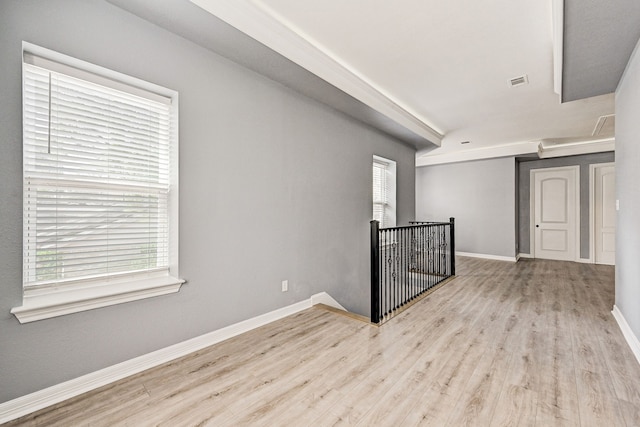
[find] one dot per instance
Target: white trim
(273, 31)
(592, 213)
(61, 297)
(49, 396)
(544, 149)
(584, 260)
(558, 45)
(532, 242)
(493, 152)
(326, 299)
(527, 256)
(548, 149)
(39, 306)
(487, 256)
(389, 218)
(50, 59)
(592, 207)
(631, 338)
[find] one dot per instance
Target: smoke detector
(519, 81)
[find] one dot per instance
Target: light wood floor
(503, 344)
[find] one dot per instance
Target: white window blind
(380, 192)
(96, 180)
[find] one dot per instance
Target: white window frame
(42, 302)
(389, 208)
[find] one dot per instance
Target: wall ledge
(631, 338)
(32, 402)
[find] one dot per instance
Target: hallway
(531, 343)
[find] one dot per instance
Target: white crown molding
(273, 32)
(29, 403)
(491, 152)
(631, 338)
(546, 151)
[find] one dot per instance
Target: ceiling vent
(519, 81)
(605, 126)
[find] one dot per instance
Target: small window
(384, 191)
(99, 187)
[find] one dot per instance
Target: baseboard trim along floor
(632, 340)
(55, 394)
(487, 256)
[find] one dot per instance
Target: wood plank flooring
(503, 344)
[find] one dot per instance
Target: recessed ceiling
(439, 70)
(446, 63)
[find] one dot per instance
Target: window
(99, 187)
(384, 191)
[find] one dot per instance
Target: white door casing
(555, 220)
(603, 213)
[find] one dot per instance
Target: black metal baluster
(439, 250)
(408, 261)
(405, 267)
(395, 266)
(386, 273)
(388, 250)
(382, 274)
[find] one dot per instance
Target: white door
(555, 221)
(605, 214)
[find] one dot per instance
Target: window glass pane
(96, 179)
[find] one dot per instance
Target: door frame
(532, 206)
(592, 208)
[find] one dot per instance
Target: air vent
(605, 126)
(519, 81)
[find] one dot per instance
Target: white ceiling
(442, 67)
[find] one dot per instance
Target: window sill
(66, 301)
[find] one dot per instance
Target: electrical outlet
(285, 285)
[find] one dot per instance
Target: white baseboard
(486, 256)
(581, 260)
(632, 340)
(51, 395)
(326, 299)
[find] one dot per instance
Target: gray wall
(273, 186)
(481, 197)
(627, 181)
(524, 198)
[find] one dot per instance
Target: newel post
(452, 221)
(375, 280)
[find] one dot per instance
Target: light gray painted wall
(524, 190)
(273, 186)
(627, 181)
(480, 195)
